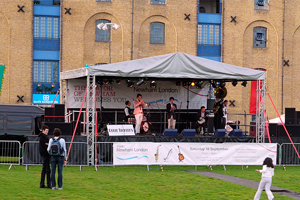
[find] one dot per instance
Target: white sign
(147, 153)
(115, 95)
(120, 130)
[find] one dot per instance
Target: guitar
(180, 155)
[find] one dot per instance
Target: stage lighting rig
(153, 84)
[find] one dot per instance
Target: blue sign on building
(44, 99)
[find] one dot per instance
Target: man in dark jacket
(43, 145)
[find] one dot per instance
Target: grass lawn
(138, 183)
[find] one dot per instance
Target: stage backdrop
(146, 153)
(115, 95)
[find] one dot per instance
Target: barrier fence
(12, 152)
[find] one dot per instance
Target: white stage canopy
(171, 66)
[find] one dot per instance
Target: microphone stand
(160, 129)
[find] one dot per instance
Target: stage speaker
(78, 129)
(59, 113)
(293, 130)
(188, 132)
(66, 128)
(49, 112)
(290, 116)
(220, 133)
(210, 104)
(273, 130)
(237, 133)
(298, 117)
(171, 133)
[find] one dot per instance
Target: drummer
(127, 111)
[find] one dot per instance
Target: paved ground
(247, 183)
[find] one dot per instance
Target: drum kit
(144, 124)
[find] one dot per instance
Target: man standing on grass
(43, 145)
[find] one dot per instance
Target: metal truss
(260, 118)
(90, 128)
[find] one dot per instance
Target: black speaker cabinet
(210, 104)
(273, 130)
(293, 130)
(49, 112)
(210, 125)
(290, 116)
(59, 109)
(298, 117)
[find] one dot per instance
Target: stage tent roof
(169, 66)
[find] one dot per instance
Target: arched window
(259, 37)
(157, 33)
(102, 35)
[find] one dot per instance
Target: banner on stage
(115, 95)
(120, 130)
(148, 153)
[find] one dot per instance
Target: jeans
(59, 161)
(266, 183)
(45, 171)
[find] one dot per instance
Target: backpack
(55, 148)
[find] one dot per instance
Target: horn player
(218, 114)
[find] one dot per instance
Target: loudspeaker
(273, 130)
(66, 128)
(210, 104)
(59, 113)
(78, 129)
(298, 117)
(220, 133)
(171, 133)
(49, 112)
(290, 116)
(293, 130)
(188, 132)
(237, 133)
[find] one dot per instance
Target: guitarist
(202, 119)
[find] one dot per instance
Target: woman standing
(266, 179)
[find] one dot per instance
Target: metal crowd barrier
(104, 152)
(287, 154)
(10, 153)
(77, 157)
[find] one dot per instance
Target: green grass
(9, 159)
(137, 183)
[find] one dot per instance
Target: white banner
(120, 130)
(146, 153)
(115, 95)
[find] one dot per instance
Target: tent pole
(187, 106)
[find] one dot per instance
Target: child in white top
(266, 179)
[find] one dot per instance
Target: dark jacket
(169, 112)
(42, 144)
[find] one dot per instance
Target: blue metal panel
(44, 98)
(46, 10)
(215, 58)
(46, 44)
(45, 55)
(209, 18)
(209, 50)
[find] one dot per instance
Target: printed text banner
(147, 153)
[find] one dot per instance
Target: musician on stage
(202, 120)
(139, 104)
(171, 107)
(218, 112)
(127, 111)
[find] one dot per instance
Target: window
(102, 35)
(46, 27)
(259, 37)
(261, 4)
(163, 2)
(45, 72)
(157, 33)
(209, 34)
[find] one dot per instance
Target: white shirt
(267, 171)
(62, 143)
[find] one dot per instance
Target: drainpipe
(132, 14)
(282, 71)
(222, 29)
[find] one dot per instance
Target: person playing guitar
(202, 119)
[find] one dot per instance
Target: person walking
(57, 150)
(43, 144)
(267, 173)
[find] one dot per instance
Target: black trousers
(46, 171)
